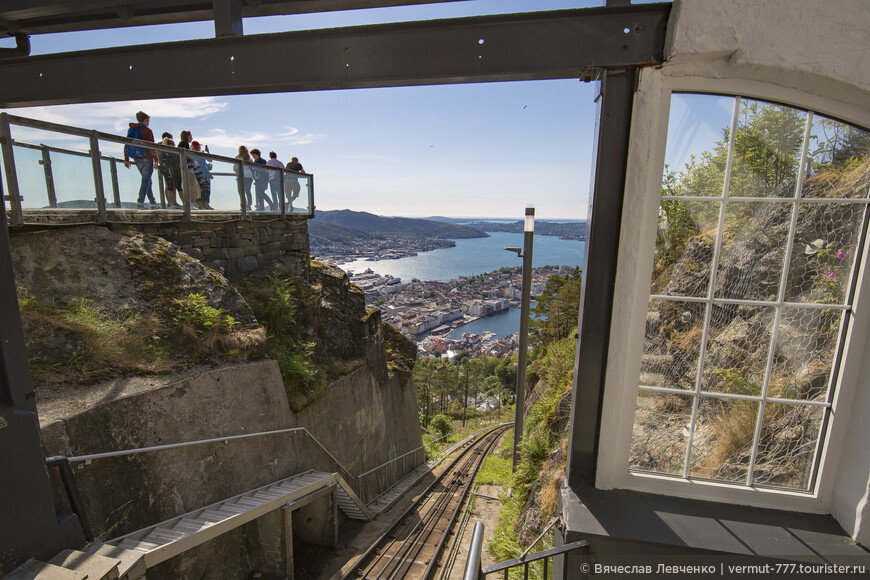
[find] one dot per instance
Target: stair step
(232, 509)
(268, 495)
(36, 570)
(213, 516)
(139, 545)
(189, 526)
(96, 567)
(132, 563)
(249, 502)
(164, 535)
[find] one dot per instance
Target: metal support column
(525, 304)
(49, 177)
(240, 183)
(96, 163)
(11, 176)
(599, 269)
(185, 185)
(116, 191)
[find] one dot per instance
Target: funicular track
(411, 547)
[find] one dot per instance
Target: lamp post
(465, 400)
(525, 302)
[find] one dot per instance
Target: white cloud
(117, 116)
(225, 140)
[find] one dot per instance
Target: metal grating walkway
(174, 536)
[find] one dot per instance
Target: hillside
(373, 225)
(564, 230)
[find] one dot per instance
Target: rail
(126, 452)
(236, 200)
(474, 571)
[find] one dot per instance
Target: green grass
(496, 468)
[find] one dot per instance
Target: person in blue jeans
(145, 159)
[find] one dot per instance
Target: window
(761, 219)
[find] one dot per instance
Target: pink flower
(832, 275)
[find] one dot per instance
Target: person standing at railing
(170, 169)
(291, 184)
(145, 159)
(261, 181)
(203, 176)
(185, 138)
(247, 176)
(274, 176)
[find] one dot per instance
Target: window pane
(697, 144)
(722, 445)
(838, 164)
(673, 344)
(753, 250)
(787, 446)
(737, 346)
(826, 242)
(767, 150)
(661, 424)
(684, 243)
(806, 342)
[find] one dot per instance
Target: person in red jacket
(145, 159)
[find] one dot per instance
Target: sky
(474, 150)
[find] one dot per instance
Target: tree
(557, 310)
(441, 425)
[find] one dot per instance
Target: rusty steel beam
(543, 45)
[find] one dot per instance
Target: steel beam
(544, 45)
(50, 16)
(599, 271)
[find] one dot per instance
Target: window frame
(632, 293)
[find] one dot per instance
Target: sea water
(477, 256)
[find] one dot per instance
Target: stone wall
(234, 247)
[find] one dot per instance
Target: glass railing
(51, 167)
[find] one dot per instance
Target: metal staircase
(174, 536)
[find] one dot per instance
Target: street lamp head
(530, 220)
(519, 251)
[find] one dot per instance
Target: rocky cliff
(133, 344)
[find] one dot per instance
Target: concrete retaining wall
(362, 421)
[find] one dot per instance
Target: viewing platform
(62, 175)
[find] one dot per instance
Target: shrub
(193, 311)
(441, 424)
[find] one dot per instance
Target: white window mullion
(708, 310)
(780, 298)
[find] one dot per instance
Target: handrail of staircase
(122, 452)
(72, 492)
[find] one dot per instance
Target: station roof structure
(47, 16)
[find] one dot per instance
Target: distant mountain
(321, 233)
(565, 230)
(375, 224)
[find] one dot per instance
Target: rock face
(123, 284)
(117, 273)
(739, 339)
(364, 418)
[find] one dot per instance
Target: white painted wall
(801, 52)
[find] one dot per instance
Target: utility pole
(526, 255)
(465, 402)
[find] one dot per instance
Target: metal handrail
(516, 562)
(474, 571)
(69, 130)
(94, 137)
(123, 452)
